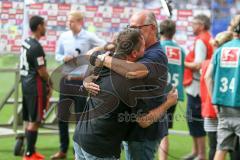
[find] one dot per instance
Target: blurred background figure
(209, 111)
(176, 56)
(201, 51)
(223, 71)
(71, 44)
(36, 85)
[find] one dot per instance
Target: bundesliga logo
(174, 55)
(229, 57)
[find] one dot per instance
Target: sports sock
(31, 137)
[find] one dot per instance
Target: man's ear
(134, 54)
(81, 22)
(153, 27)
(202, 27)
(39, 27)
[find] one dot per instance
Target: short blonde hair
(77, 15)
(234, 22)
(222, 38)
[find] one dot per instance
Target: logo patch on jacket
(229, 57)
(174, 55)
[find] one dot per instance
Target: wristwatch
(101, 57)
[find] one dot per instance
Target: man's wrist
(97, 59)
(107, 61)
(67, 58)
(102, 57)
(93, 58)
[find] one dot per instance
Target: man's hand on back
(172, 97)
(91, 87)
(68, 58)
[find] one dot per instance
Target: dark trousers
(170, 115)
(65, 106)
(212, 143)
(194, 117)
(235, 155)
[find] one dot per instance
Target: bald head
(137, 19)
(143, 18)
(146, 22)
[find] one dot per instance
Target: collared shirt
(83, 42)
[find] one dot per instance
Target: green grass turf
(48, 145)
(7, 81)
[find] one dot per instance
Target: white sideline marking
(6, 131)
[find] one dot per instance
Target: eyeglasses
(138, 27)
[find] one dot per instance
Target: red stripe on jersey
(40, 98)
